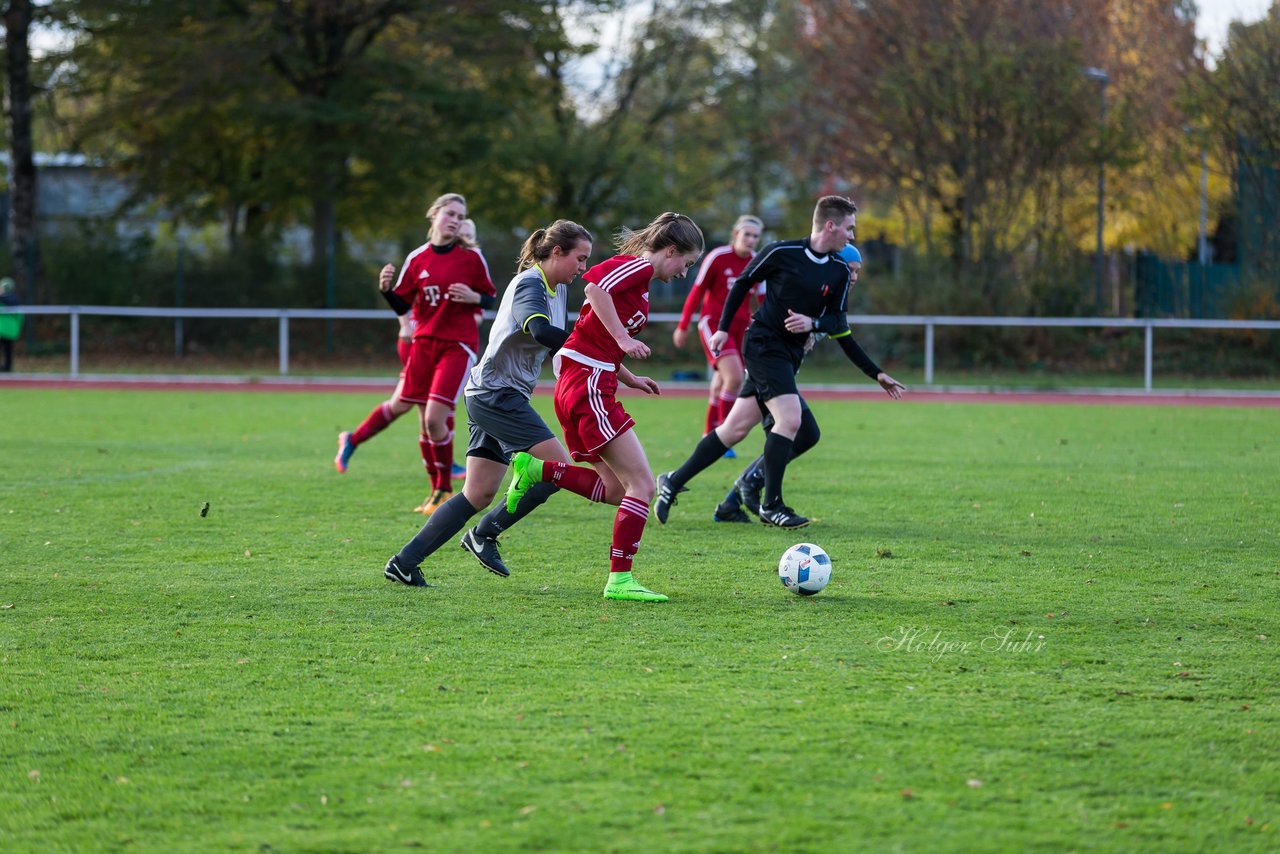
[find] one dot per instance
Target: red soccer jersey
(720, 269)
(626, 279)
(424, 282)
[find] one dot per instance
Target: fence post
(284, 344)
(928, 353)
(178, 342)
(75, 342)
(1146, 356)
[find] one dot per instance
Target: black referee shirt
(808, 283)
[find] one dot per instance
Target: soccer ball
(805, 569)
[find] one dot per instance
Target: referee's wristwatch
(814, 321)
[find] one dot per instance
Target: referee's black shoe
(666, 497)
(729, 514)
(396, 572)
(486, 551)
(781, 516)
(749, 485)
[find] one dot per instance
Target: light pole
(1100, 77)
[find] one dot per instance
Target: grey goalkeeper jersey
(512, 359)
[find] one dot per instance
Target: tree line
(966, 130)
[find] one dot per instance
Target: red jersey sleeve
(482, 281)
(406, 286)
(691, 304)
(625, 279)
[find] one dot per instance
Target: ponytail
(669, 229)
(537, 247)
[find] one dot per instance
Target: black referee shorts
(771, 366)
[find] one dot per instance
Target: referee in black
(807, 291)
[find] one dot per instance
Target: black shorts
(502, 423)
(771, 366)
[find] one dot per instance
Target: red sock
(579, 480)
(713, 415)
(377, 421)
(726, 403)
(449, 424)
(628, 528)
(442, 460)
(428, 457)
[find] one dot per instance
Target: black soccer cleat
(411, 577)
(486, 551)
(729, 514)
(749, 487)
(781, 516)
(666, 497)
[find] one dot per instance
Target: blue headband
(849, 254)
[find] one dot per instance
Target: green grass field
(1049, 628)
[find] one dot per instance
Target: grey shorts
(501, 423)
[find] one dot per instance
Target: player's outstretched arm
(891, 386)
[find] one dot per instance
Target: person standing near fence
(807, 292)
(719, 269)
(597, 429)
(10, 323)
(530, 323)
(443, 283)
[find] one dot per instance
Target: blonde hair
(747, 219)
(441, 201)
(469, 242)
(669, 229)
(832, 209)
(563, 233)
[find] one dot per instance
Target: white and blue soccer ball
(805, 569)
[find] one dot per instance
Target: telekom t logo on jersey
(430, 293)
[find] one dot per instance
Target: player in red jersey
(720, 269)
(597, 429)
(404, 344)
(443, 283)
(467, 237)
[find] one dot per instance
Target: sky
(1215, 15)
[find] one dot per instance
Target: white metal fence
(929, 322)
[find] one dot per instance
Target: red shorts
(437, 370)
(588, 409)
(403, 346)
(732, 347)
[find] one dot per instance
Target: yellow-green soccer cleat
(526, 471)
(623, 586)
